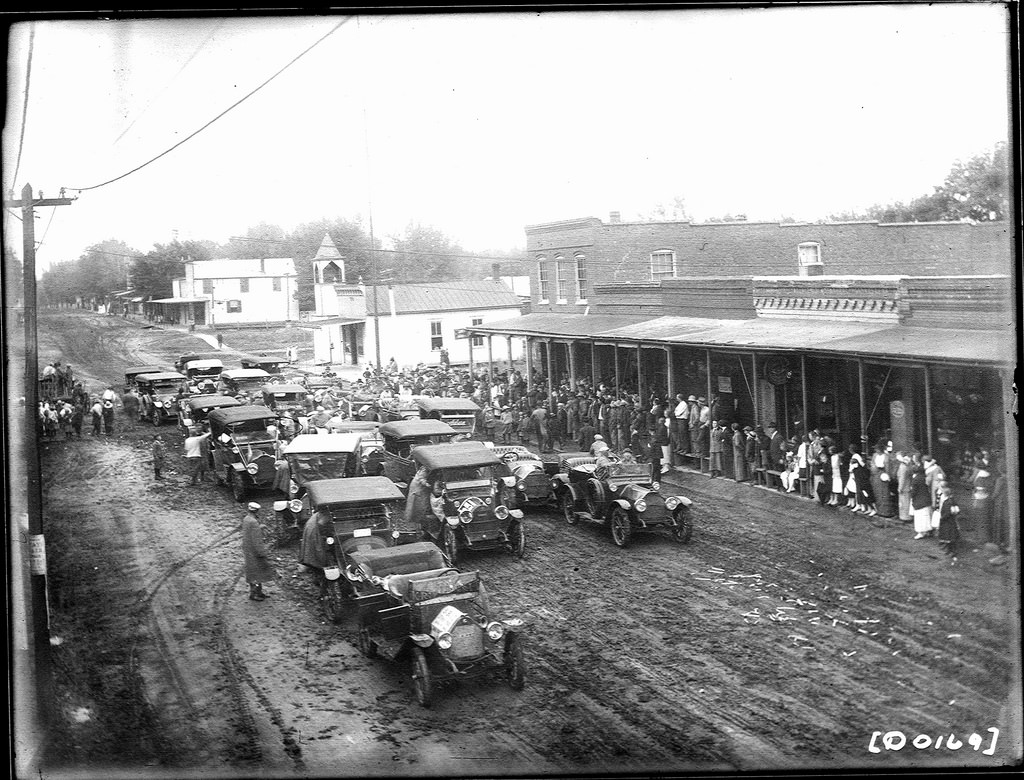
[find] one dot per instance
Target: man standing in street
(258, 568)
(681, 440)
(194, 455)
(130, 402)
(97, 417)
(159, 451)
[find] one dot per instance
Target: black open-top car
(622, 496)
(244, 448)
(434, 618)
(460, 413)
(195, 410)
(459, 505)
(401, 439)
(309, 458)
(347, 516)
(159, 394)
(525, 480)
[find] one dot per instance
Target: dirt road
(783, 636)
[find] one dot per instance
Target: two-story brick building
(904, 331)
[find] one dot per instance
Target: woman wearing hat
(258, 568)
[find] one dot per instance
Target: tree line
(422, 253)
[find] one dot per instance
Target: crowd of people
(689, 431)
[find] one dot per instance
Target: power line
(173, 79)
(221, 114)
(24, 108)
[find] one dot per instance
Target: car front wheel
(620, 527)
(237, 487)
(333, 601)
(568, 507)
(451, 545)
(683, 529)
(515, 662)
(421, 677)
(517, 537)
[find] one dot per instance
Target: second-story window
(543, 282)
(436, 339)
(243, 285)
(560, 279)
(663, 264)
(276, 281)
(207, 286)
(581, 279)
(809, 259)
(477, 341)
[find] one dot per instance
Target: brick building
(858, 329)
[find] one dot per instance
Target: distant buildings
(232, 292)
(415, 321)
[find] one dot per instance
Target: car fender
(238, 466)
(559, 481)
(684, 501)
(568, 487)
(621, 502)
(509, 482)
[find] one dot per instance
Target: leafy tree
(153, 272)
(977, 189)
(423, 253)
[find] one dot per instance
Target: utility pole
(33, 492)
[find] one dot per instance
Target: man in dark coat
(776, 454)
(585, 436)
(258, 568)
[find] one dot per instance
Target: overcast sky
(482, 124)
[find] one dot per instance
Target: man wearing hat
(598, 446)
(681, 425)
(320, 419)
(258, 568)
(750, 450)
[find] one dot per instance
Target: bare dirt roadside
(783, 636)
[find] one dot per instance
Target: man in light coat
(258, 568)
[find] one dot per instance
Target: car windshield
(467, 477)
(250, 431)
(250, 384)
(310, 466)
(165, 387)
(204, 371)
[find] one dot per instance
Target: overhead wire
(220, 115)
(24, 107)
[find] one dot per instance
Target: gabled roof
(442, 296)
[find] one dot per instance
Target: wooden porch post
(593, 364)
(618, 380)
(757, 397)
(863, 398)
(803, 390)
(490, 358)
(639, 373)
(529, 364)
(707, 357)
(551, 370)
(928, 406)
(509, 340)
(571, 348)
(670, 368)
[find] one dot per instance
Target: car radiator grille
(537, 485)
(266, 469)
(467, 642)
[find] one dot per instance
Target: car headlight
(252, 468)
(671, 503)
(329, 540)
(292, 487)
(495, 631)
(501, 512)
(656, 486)
(158, 403)
(187, 422)
(520, 485)
(487, 500)
(640, 505)
(444, 641)
(295, 505)
(466, 517)
(454, 521)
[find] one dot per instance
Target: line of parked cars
(390, 507)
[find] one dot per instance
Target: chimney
(496, 271)
(615, 217)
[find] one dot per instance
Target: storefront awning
(179, 300)
(880, 340)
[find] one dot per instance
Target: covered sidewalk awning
(180, 300)
(851, 338)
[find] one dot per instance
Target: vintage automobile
(371, 444)
(348, 515)
(159, 395)
(310, 457)
(460, 413)
(186, 358)
(202, 374)
(243, 383)
(623, 497)
(525, 480)
(195, 410)
(272, 365)
(133, 371)
(416, 609)
(289, 401)
(386, 411)
(243, 451)
(460, 506)
(400, 440)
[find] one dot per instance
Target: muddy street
(783, 636)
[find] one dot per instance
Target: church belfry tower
(328, 271)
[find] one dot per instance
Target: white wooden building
(234, 292)
(416, 321)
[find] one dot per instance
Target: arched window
(581, 278)
(543, 282)
(809, 261)
(560, 279)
